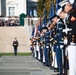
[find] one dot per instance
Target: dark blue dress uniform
(51, 44)
(47, 48)
(41, 46)
(54, 49)
(54, 39)
(60, 45)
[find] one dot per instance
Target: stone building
(16, 7)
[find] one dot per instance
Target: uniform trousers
(43, 54)
(59, 58)
(54, 62)
(72, 59)
(35, 55)
(47, 55)
(38, 52)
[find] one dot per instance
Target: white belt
(61, 42)
(72, 43)
(61, 46)
(47, 46)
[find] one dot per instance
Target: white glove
(61, 46)
(65, 42)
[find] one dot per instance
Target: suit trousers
(15, 50)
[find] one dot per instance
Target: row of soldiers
(55, 44)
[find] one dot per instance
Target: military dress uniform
(47, 48)
(65, 52)
(41, 46)
(72, 43)
(38, 46)
(44, 49)
(54, 63)
(60, 45)
(51, 44)
(34, 43)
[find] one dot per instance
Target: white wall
(20, 6)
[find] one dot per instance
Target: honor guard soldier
(34, 44)
(60, 45)
(44, 29)
(47, 46)
(38, 38)
(47, 39)
(51, 43)
(72, 42)
(62, 16)
(41, 44)
(54, 63)
(71, 36)
(37, 45)
(66, 8)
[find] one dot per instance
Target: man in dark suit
(15, 45)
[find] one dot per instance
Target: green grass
(18, 54)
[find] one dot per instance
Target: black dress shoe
(51, 68)
(59, 74)
(47, 65)
(43, 64)
(56, 70)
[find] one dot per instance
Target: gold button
(72, 35)
(72, 41)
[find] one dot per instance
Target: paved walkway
(22, 65)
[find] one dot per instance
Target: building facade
(17, 7)
(32, 7)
